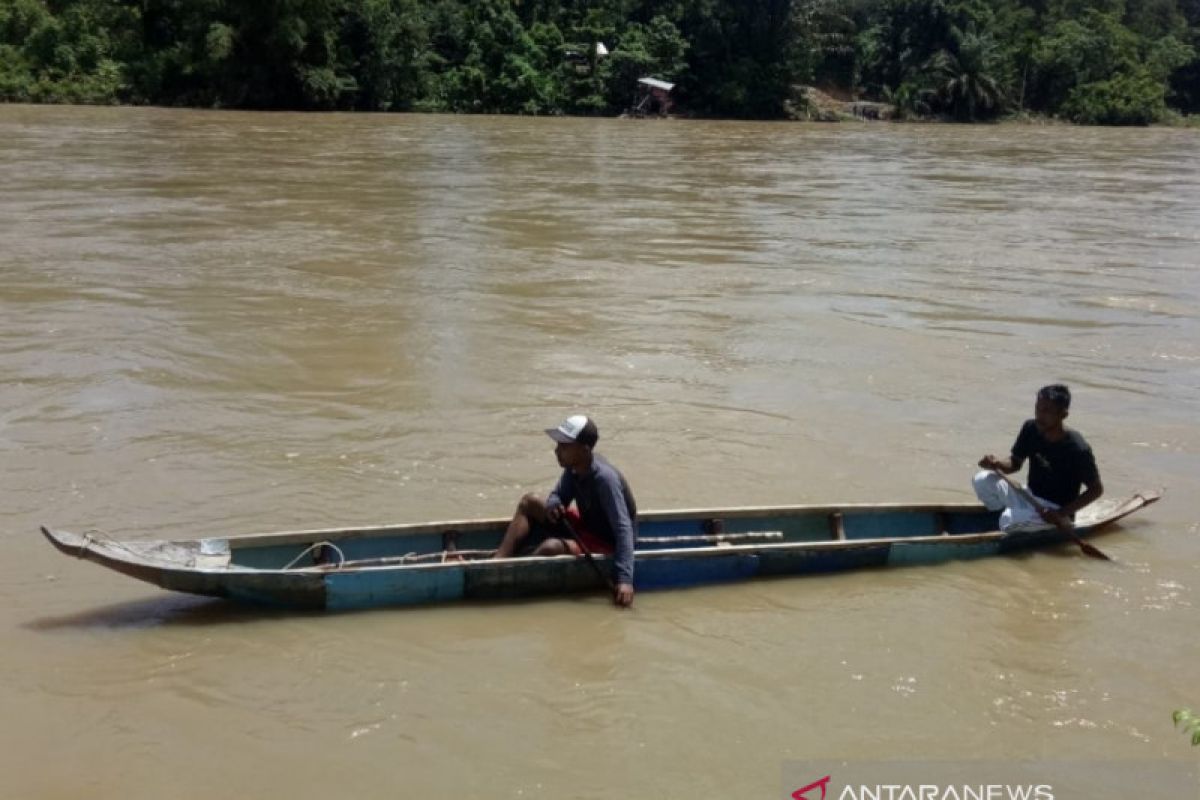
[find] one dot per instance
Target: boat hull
(367, 567)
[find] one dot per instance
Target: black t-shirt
(1057, 470)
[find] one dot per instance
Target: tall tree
(965, 77)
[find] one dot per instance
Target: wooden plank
(714, 538)
(837, 526)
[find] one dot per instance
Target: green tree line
(1090, 61)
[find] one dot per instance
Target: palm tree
(909, 100)
(965, 80)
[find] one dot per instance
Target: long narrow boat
(439, 562)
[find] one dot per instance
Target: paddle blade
(1094, 552)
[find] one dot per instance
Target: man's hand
(1057, 518)
(991, 462)
(624, 595)
(554, 513)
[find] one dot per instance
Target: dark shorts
(541, 533)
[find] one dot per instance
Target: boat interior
(468, 540)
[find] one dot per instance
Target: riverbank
(825, 110)
(815, 104)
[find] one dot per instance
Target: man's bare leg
(558, 547)
(531, 509)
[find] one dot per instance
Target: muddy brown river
(215, 323)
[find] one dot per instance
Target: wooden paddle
(1088, 549)
(565, 522)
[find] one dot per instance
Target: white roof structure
(655, 83)
(601, 50)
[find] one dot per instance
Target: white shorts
(1019, 515)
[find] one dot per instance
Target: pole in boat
(569, 529)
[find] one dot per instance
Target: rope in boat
(101, 536)
(414, 557)
(314, 546)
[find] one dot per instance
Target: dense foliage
(1091, 61)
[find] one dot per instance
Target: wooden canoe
(439, 562)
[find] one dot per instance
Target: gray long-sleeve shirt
(607, 508)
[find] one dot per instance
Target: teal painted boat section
(907, 554)
(666, 573)
(783, 561)
(368, 588)
(889, 525)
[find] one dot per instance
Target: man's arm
(1093, 493)
(1061, 517)
(1092, 482)
(613, 500)
(560, 496)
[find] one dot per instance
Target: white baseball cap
(577, 428)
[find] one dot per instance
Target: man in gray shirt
(605, 513)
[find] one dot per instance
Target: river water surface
(216, 323)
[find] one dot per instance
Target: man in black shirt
(1060, 465)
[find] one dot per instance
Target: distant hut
(654, 97)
